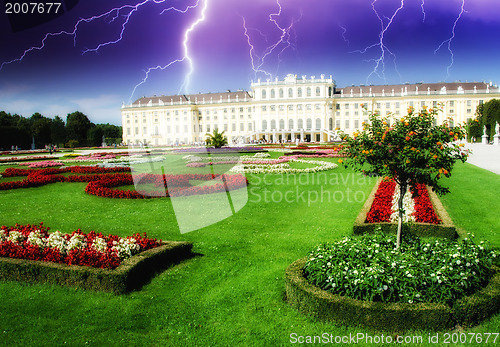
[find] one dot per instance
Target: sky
(94, 56)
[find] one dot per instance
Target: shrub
(369, 268)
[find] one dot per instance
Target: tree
(491, 115)
(95, 135)
(412, 151)
(40, 129)
(216, 139)
(58, 131)
(77, 127)
(474, 129)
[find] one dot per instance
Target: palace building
(309, 109)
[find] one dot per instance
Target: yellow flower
(340, 161)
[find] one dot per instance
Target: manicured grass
(231, 295)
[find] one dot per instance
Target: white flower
(127, 248)
(99, 245)
(56, 240)
(77, 241)
(3, 235)
(15, 236)
(36, 238)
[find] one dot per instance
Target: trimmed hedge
(446, 229)
(471, 310)
(130, 275)
(394, 317)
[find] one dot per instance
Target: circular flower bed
(33, 242)
(370, 268)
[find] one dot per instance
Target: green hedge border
(130, 275)
(446, 229)
(394, 317)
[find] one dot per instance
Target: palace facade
(309, 109)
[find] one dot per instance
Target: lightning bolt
(74, 32)
(422, 6)
(285, 39)
(125, 12)
(185, 44)
(185, 57)
(450, 39)
(344, 31)
(380, 61)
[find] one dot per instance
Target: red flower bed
(424, 211)
(381, 206)
(33, 242)
(102, 180)
(179, 185)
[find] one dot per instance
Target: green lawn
(233, 293)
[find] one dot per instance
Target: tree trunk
(402, 191)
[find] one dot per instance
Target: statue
(497, 129)
(484, 137)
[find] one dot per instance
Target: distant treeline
(77, 131)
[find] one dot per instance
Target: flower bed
(369, 268)
(385, 205)
(10, 160)
(393, 317)
(33, 242)
(41, 164)
(425, 213)
(130, 274)
(102, 180)
(364, 280)
(218, 150)
(277, 167)
(178, 185)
